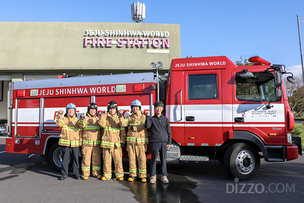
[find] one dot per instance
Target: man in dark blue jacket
(160, 140)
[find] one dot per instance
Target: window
(202, 87)
(259, 88)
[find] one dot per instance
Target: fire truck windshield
(261, 87)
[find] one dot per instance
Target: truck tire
(55, 157)
(241, 161)
(220, 158)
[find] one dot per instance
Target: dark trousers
(67, 153)
(161, 148)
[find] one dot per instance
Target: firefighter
(137, 139)
(90, 142)
(69, 140)
(112, 141)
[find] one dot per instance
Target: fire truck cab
(236, 114)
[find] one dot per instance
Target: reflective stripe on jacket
(113, 132)
(138, 134)
(91, 130)
(70, 130)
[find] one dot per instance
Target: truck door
(256, 108)
(203, 108)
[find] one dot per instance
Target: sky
(233, 28)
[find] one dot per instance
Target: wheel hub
(245, 162)
(57, 157)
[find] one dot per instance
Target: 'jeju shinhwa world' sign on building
(87, 46)
(129, 39)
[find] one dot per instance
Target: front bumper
(292, 152)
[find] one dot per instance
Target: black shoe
(62, 178)
(77, 177)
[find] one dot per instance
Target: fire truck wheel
(55, 157)
(241, 161)
(220, 158)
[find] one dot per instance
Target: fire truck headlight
(289, 139)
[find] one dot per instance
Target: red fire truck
(217, 110)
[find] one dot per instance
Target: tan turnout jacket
(138, 134)
(91, 135)
(70, 130)
(113, 132)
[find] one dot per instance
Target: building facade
(44, 50)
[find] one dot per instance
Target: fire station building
(44, 50)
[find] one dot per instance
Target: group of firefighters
(106, 136)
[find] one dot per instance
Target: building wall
(66, 45)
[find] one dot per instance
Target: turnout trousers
(116, 155)
(67, 154)
(137, 152)
(91, 153)
(160, 147)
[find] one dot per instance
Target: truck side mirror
(282, 68)
(279, 93)
(291, 79)
(277, 78)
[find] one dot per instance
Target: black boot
(62, 178)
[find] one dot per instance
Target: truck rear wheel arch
(49, 142)
(51, 147)
(55, 157)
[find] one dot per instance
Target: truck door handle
(190, 118)
(238, 119)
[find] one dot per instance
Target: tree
(295, 93)
(243, 62)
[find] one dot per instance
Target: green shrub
(299, 131)
(296, 131)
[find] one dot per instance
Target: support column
(17, 77)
